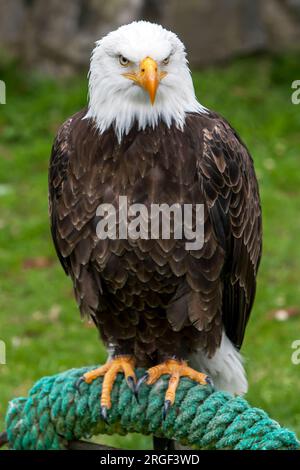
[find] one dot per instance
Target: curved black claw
(79, 382)
(103, 413)
(167, 406)
(133, 387)
(141, 381)
(209, 381)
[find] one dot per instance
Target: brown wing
(72, 206)
(230, 188)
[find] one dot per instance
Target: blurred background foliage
(39, 320)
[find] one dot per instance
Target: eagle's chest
(149, 171)
(143, 186)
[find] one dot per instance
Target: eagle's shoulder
(211, 121)
(71, 129)
(223, 151)
(63, 144)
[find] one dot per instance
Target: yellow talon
(175, 369)
(110, 370)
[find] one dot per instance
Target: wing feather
(72, 208)
(230, 188)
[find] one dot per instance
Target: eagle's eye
(166, 60)
(123, 61)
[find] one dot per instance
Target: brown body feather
(153, 297)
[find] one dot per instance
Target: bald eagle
(145, 136)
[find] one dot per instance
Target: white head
(139, 73)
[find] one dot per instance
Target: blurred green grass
(39, 320)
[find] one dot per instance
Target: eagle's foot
(109, 371)
(176, 369)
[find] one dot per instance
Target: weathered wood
(85, 445)
(3, 439)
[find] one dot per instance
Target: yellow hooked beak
(148, 77)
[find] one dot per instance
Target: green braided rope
(57, 411)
